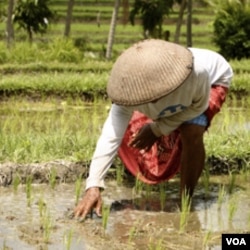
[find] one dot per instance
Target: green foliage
(3, 54)
(33, 16)
(59, 50)
(63, 50)
(232, 29)
(2, 10)
(40, 132)
(152, 14)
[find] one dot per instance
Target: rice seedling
(16, 181)
(119, 173)
(138, 187)
(185, 211)
(68, 239)
(42, 207)
(29, 134)
(78, 189)
(225, 124)
(148, 190)
(206, 238)
(28, 189)
(205, 180)
(232, 180)
(105, 216)
(133, 231)
(46, 226)
(156, 245)
(221, 196)
(52, 178)
(232, 208)
(163, 195)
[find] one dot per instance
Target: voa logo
(236, 241)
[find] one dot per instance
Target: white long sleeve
(108, 144)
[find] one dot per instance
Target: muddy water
(136, 221)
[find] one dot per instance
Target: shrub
(232, 29)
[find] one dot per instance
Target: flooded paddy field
(135, 220)
(34, 213)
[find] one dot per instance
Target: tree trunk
(179, 21)
(112, 29)
(68, 18)
(30, 34)
(9, 25)
(189, 23)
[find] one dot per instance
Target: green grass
(54, 83)
(62, 69)
(39, 132)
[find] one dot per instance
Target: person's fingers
(83, 208)
(88, 202)
(98, 208)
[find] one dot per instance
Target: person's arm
(108, 144)
(166, 125)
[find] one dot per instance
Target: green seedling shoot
(232, 180)
(16, 182)
(105, 216)
(138, 186)
(163, 195)
(185, 210)
(232, 208)
(221, 196)
(28, 190)
(46, 226)
(42, 207)
(156, 245)
(119, 174)
(206, 238)
(68, 239)
(205, 178)
(52, 178)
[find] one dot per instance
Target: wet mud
(135, 221)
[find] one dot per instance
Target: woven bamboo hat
(147, 71)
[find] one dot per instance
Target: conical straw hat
(147, 71)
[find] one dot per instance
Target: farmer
(176, 89)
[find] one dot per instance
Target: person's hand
(144, 139)
(91, 200)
